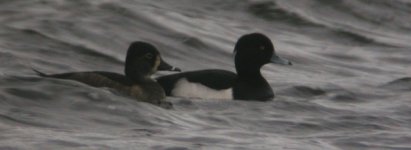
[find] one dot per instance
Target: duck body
(137, 89)
(216, 84)
(208, 84)
(142, 61)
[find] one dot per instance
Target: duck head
(254, 50)
(143, 60)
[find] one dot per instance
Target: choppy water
(349, 87)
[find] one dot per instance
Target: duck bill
(164, 66)
(278, 60)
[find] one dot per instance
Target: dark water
(349, 87)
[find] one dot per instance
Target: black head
(254, 50)
(143, 59)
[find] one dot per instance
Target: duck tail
(39, 73)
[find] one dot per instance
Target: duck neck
(249, 72)
(137, 76)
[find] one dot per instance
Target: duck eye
(262, 47)
(149, 56)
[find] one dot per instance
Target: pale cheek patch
(184, 88)
(157, 63)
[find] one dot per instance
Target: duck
(251, 52)
(141, 62)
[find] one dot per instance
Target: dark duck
(251, 51)
(142, 60)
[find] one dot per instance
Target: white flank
(184, 88)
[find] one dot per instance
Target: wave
(82, 50)
(399, 84)
(271, 11)
(330, 92)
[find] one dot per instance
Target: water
(349, 87)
